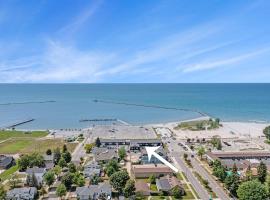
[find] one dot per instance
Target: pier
(104, 120)
(18, 123)
(151, 106)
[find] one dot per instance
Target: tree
(103, 196)
(201, 151)
(216, 142)
(49, 152)
(111, 167)
(57, 155)
(267, 184)
(2, 192)
(129, 189)
(122, 153)
(185, 156)
(62, 162)
(72, 167)
(36, 159)
(49, 178)
(219, 172)
(64, 148)
(248, 174)
(78, 179)
(177, 192)
(232, 183)
(61, 190)
(67, 180)
(97, 142)
(57, 170)
(234, 169)
(152, 179)
(118, 180)
(252, 190)
(67, 156)
(266, 132)
(23, 162)
(88, 147)
(262, 172)
(95, 180)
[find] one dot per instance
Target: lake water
(73, 102)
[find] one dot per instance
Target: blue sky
(114, 41)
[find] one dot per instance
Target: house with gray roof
(38, 172)
(94, 191)
(104, 154)
(6, 162)
(91, 169)
(166, 183)
(26, 193)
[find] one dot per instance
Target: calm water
(241, 102)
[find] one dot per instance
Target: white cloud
(223, 62)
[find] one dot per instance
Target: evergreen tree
(98, 143)
(57, 155)
(262, 172)
(129, 189)
(64, 148)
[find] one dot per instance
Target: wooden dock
(17, 123)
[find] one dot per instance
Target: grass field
(30, 145)
(21, 134)
(7, 174)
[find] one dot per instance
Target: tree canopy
(252, 190)
(118, 180)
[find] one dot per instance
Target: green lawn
(30, 145)
(7, 174)
(153, 187)
(11, 134)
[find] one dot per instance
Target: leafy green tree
(23, 162)
(61, 190)
(57, 170)
(232, 183)
(177, 192)
(2, 192)
(67, 180)
(72, 167)
(252, 190)
(95, 179)
(266, 132)
(57, 155)
(111, 167)
(248, 174)
(97, 142)
(219, 172)
(62, 162)
(201, 151)
(49, 178)
(152, 179)
(36, 159)
(67, 156)
(129, 189)
(88, 147)
(78, 179)
(122, 153)
(262, 172)
(267, 184)
(118, 180)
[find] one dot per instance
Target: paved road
(190, 176)
(212, 183)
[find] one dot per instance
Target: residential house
(142, 187)
(38, 172)
(6, 162)
(104, 154)
(91, 169)
(145, 171)
(166, 183)
(26, 193)
(94, 191)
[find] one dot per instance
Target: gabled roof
(35, 170)
(94, 189)
(26, 193)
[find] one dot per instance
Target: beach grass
(30, 145)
